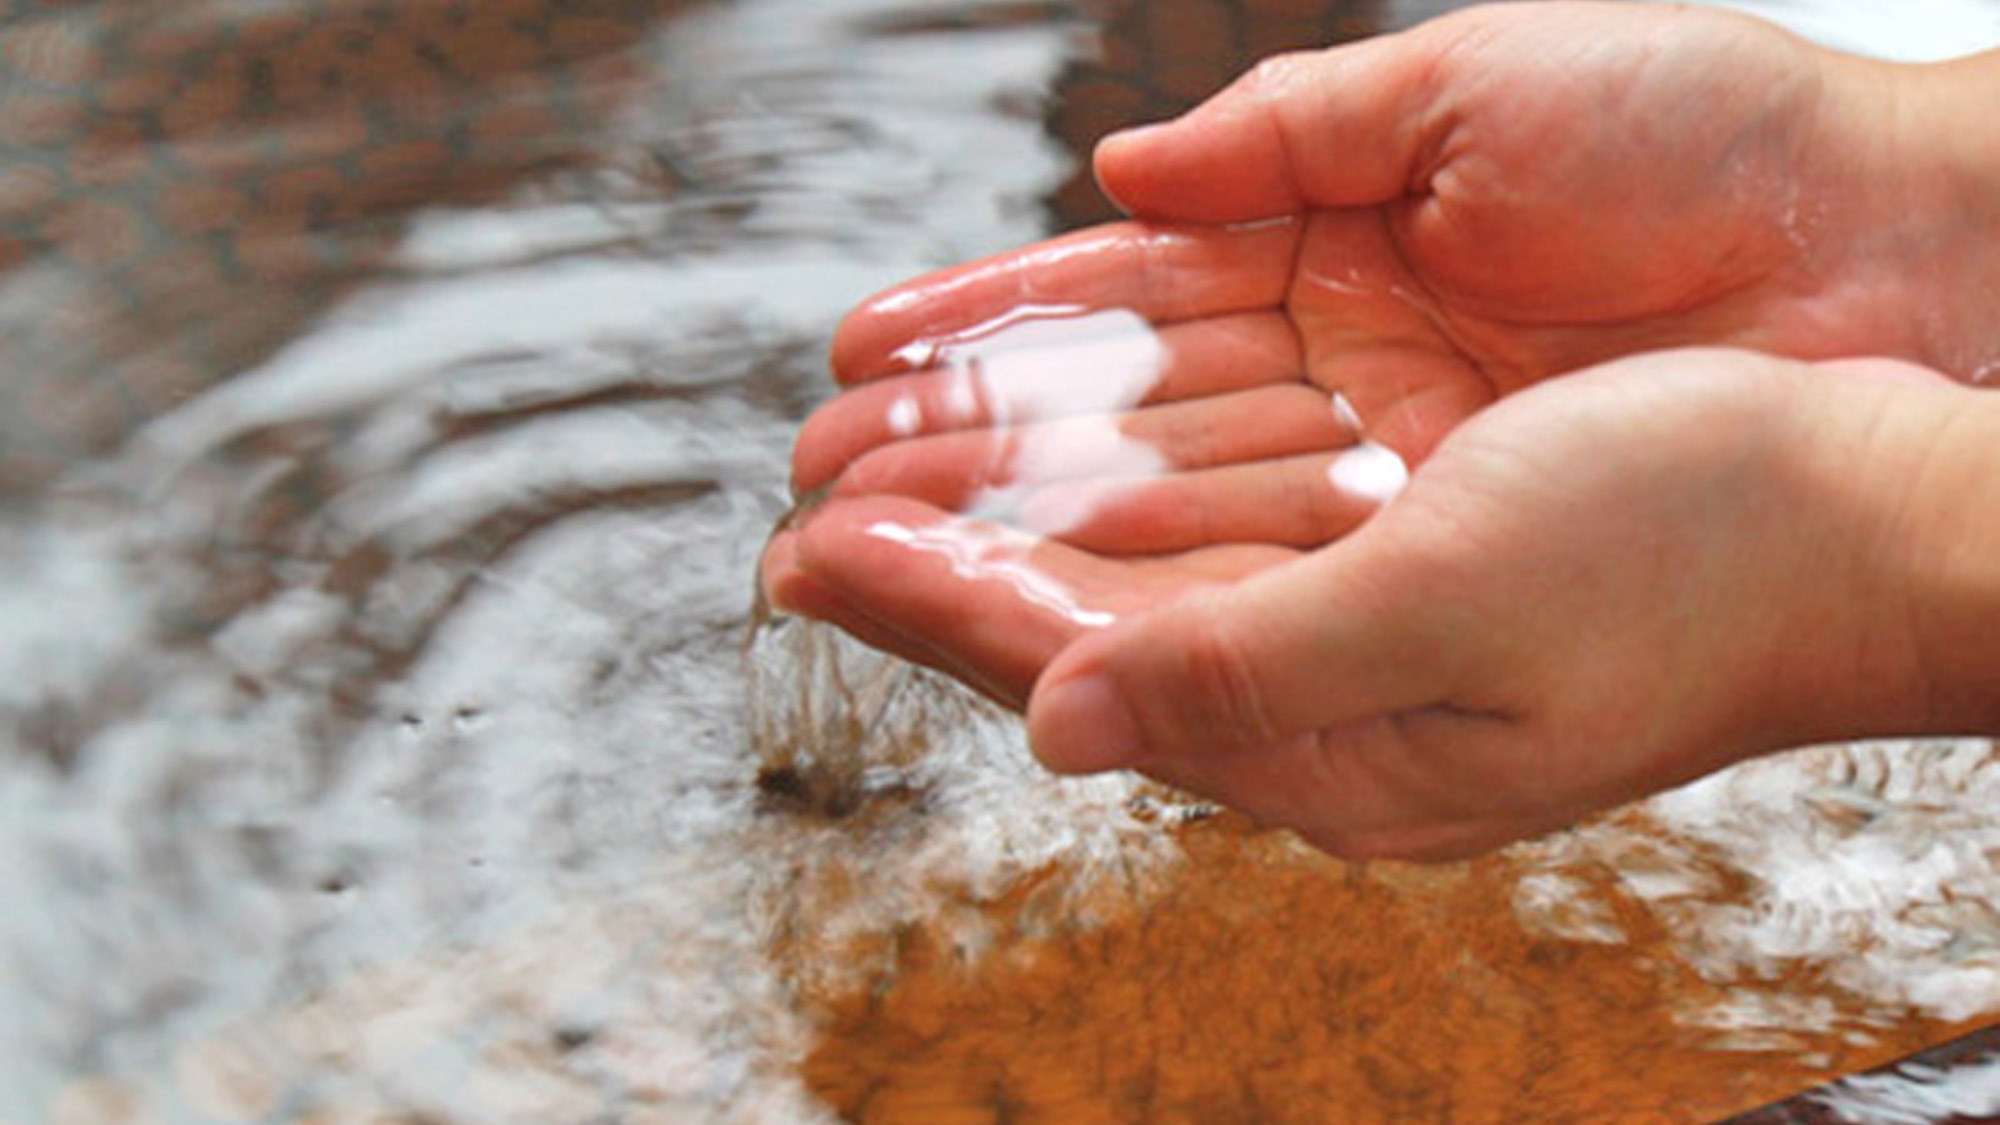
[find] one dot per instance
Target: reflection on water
(373, 713)
(398, 397)
(1954, 1084)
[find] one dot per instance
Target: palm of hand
(1431, 259)
(1515, 194)
(1576, 556)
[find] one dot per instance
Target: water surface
(398, 398)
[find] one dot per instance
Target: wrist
(1916, 149)
(1882, 503)
(1900, 489)
(1954, 563)
(1953, 124)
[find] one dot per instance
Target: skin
(1681, 553)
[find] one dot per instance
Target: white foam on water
(546, 819)
(547, 823)
(1917, 1095)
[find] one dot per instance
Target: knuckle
(1275, 73)
(1226, 703)
(873, 471)
(1189, 442)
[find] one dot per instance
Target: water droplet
(1369, 470)
(979, 551)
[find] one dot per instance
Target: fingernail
(1084, 726)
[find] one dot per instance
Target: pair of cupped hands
(1657, 306)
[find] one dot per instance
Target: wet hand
(1373, 245)
(1439, 218)
(1517, 191)
(1132, 460)
(1417, 225)
(1593, 590)
(1105, 429)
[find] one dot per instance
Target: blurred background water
(397, 396)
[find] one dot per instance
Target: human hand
(1418, 226)
(1516, 191)
(1593, 590)
(1500, 195)
(1151, 462)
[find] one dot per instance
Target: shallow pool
(398, 396)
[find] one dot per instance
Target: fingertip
(810, 469)
(871, 339)
(861, 537)
(788, 582)
(854, 349)
(870, 474)
(1118, 156)
(844, 352)
(819, 451)
(780, 553)
(1081, 723)
(1219, 162)
(809, 569)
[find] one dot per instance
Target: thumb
(1338, 128)
(1334, 637)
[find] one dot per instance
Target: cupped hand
(1377, 241)
(1440, 217)
(1417, 224)
(1588, 591)
(1597, 588)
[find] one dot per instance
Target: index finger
(1344, 127)
(1164, 273)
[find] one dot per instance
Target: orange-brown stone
(1266, 986)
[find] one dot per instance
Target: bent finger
(989, 606)
(1197, 359)
(1162, 273)
(990, 471)
(1345, 127)
(1340, 636)
(795, 591)
(1300, 502)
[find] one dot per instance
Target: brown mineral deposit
(1269, 985)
